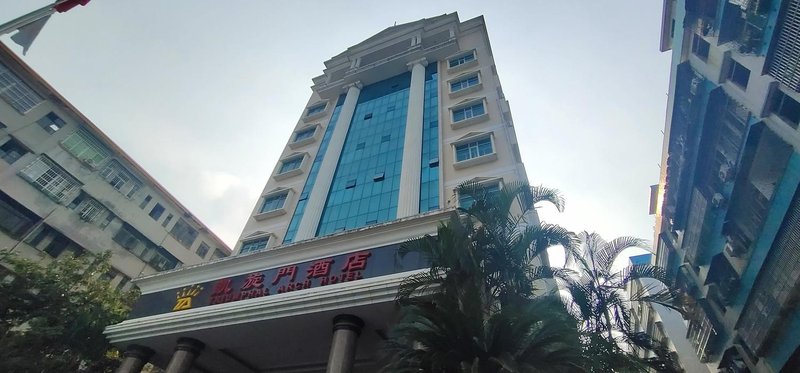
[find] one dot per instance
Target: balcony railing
(783, 62)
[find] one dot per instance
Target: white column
(408, 200)
(346, 329)
(134, 359)
(186, 352)
(316, 200)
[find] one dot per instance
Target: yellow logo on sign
(185, 296)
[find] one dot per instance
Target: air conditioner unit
(718, 200)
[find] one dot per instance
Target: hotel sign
(349, 267)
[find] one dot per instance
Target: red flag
(69, 4)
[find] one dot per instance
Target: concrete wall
(92, 236)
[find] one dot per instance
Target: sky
(204, 94)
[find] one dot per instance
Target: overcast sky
(204, 94)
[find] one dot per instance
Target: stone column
(408, 200)
(134, 358)
(322, 185)
(186, 351)
(346, 329)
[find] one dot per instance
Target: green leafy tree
(476, 308)
(600, 299)
(52, 316)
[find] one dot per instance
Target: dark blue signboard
(354, 266)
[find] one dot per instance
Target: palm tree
(478, 311)
(599, 298)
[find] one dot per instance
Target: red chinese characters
(253, 287)
(356, 262)
(253, 281)
(352, 268)
(221, 287)
(290, 271)
(320, 268)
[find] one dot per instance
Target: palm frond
(610, 250)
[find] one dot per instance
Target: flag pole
(33, 16)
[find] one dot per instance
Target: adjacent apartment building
(67, 189)
(728, 216)
(392, 126)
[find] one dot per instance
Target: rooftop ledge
(368, 74)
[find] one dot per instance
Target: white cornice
(392, 232)
(390, 35)
(369, 291)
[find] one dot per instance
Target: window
(466, 201)
(156, 212)
(12, 151)
(124, 280)
(786, 108)
(50, 178)
(16, 93)
(88, 208)
(167, 220)
(145, 201)
(350, 184)
(304, 134)
(86, 148)
(57, 245)
(462, 59)
(184, 233)
(464, 83)
(135, 242)
(15, 219)
(51, 122)
(474, 149)
(315, 110)
(254, 245)
(109, 218)
(218, 254)
(467, 112)
(120, 179)
(361, 146)
(739, 74)
(367, 116)
(700, 47)
(52, 242)
(202, 250)
(290, 164)
(273, 202)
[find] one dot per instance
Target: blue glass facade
(312, 174)
(366, 183)
(429, 179)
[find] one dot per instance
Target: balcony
(701, 16)
(723, 282)
(744, 24)
(684, 132)
(763, 165)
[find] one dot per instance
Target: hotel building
(67, 189)
(728, 204)
(392, 126)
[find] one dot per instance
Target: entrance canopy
(274, 311)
